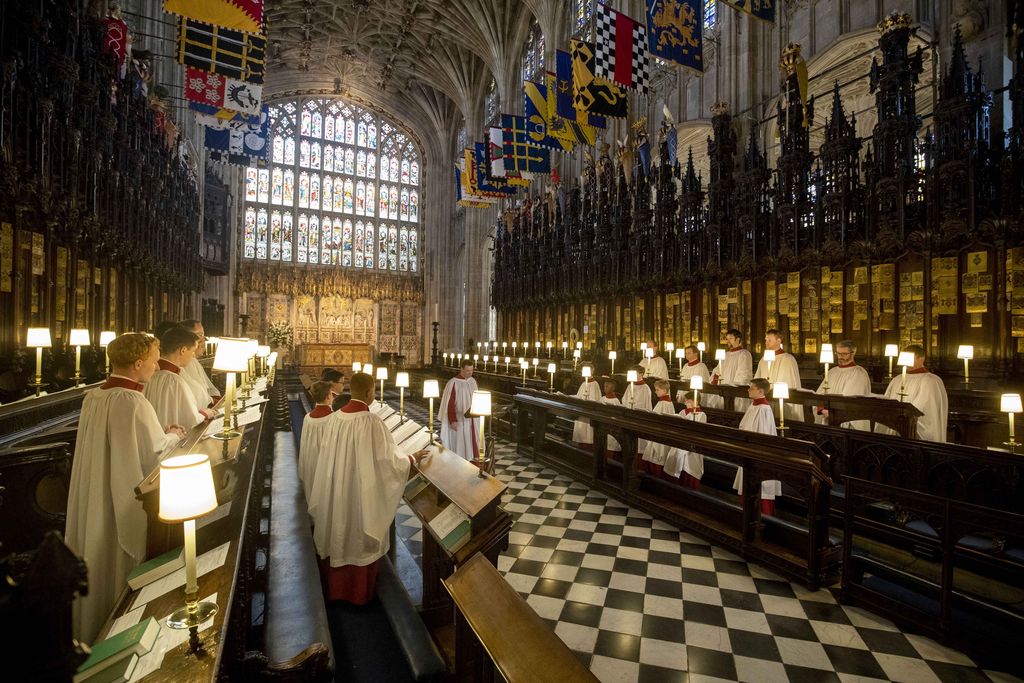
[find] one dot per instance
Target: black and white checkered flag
(621, 52)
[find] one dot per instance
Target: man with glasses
(846, 379)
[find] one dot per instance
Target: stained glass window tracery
(302, 208)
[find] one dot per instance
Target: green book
(137, 640)
(157, 568)
(414, 486)
(458, 537)
(118, 672)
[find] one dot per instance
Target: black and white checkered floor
(638, 600)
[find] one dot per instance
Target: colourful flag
(214, 117)
(484, 181)
(243, 15)
(675, 30)
(759, 9)
(592, 94)
(496, 158)
(519, 153)
(219, 91)
(536, 95)
(468, 201)
(621, 52)
(565, 129)
(240, 144)
(564, 98)
(231, 53)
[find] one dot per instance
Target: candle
(435, 313)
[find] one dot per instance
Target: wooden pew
(495, 630)
(34, 483)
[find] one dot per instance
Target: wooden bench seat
(424, 659)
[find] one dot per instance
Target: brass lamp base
(482, 464)
(226, 435)
(192, 615)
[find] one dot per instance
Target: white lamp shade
(523, 365)
(402, 380)
(549, 345)
(827, 347)
(478, 344)
(213, 340)
(827, 356)
(78, 337)
(536, 362)
(780, 390)
(612, 355)
(507, 359)
(631, 376)
(38, 337)
(649, 352)
(232, 355)
(565, 345)
(965, 351)
(696, 382)
(515, 344)
(521, 360)
(358, 367)
(643, 346)
(251, 347)
(669, 346)
(680, 353)
(108, 336)
(576, 353)
(769, 355)
(587, 372)
(504, 345)
(368, 369)
(1010, 403)
(382, 372)
(481, 403)
(906, 359)
(272, 359)
(719, 354)
(431, 389)
(262, 351)
(186, 487)
(536, 345)
(891, 350)
(701, 346)
(579, 345)
(476, 357)
(552, 368)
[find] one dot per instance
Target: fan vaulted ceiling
(425, 62)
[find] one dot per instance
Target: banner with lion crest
(674, 30)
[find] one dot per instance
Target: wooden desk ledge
(522, 646)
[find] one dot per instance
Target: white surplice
(760, 419)
(462, 439)
(311, 446)
(613, 400)
(680, 460)
(119, 442)
(689, 370)
(851, 380)
(173, 399)
(204, 389)
(784, 369)
(658, 452)
(736, 369)
(582, 432)
(357, 486)
(927, 393)
(655, 367)
(641, 395)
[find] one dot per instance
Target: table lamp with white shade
(649, 353)
(508, 360)
(536, 363)
(272, 364)
(701, 348)
(719, 355)
(1010, 404)
(230, 359)
(186, 493)
(548, 348)
(358, 367)
(575, 358)
(431, 390)
(892, 351)
(905, 360)
(579, 346)
(523, 365)
(368, 369)
(769, 357)
(631, 378)
(263, 353)
(612, 355)
(697, 384)
(565, 350)
(78, 338)
(827, 357)
(966, 352)
(670, 350)
(643, 349)
(402, 382)
(38, 338)
(680, 355)
(382, 374)
(106, 337)
(552, 368)
(480, 406)
(780, 390)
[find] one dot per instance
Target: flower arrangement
(280, 335)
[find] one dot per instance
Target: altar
(313, 357)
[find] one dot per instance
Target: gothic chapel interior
(512, 340)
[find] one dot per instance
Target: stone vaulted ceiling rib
(401, 53)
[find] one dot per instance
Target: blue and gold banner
(759, 9)
(592, 94)
(536, 96)
(486, 183)
(519, 153)
(564, 96)
(568, 130)
(674, 29)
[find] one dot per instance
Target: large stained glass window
(533, 56)
(342, 188)
(710, 15)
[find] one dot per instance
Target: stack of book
(114, 659)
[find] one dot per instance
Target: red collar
(665, 398)
(640, 383)
(169, 366)
(611, 395)
(738, 348)
(320, 411)
(761, 402)
(692, 410)
(917, 371)
(355, 406)
(851, 365)
(121, 383)
(780, 352)
(692, 363)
